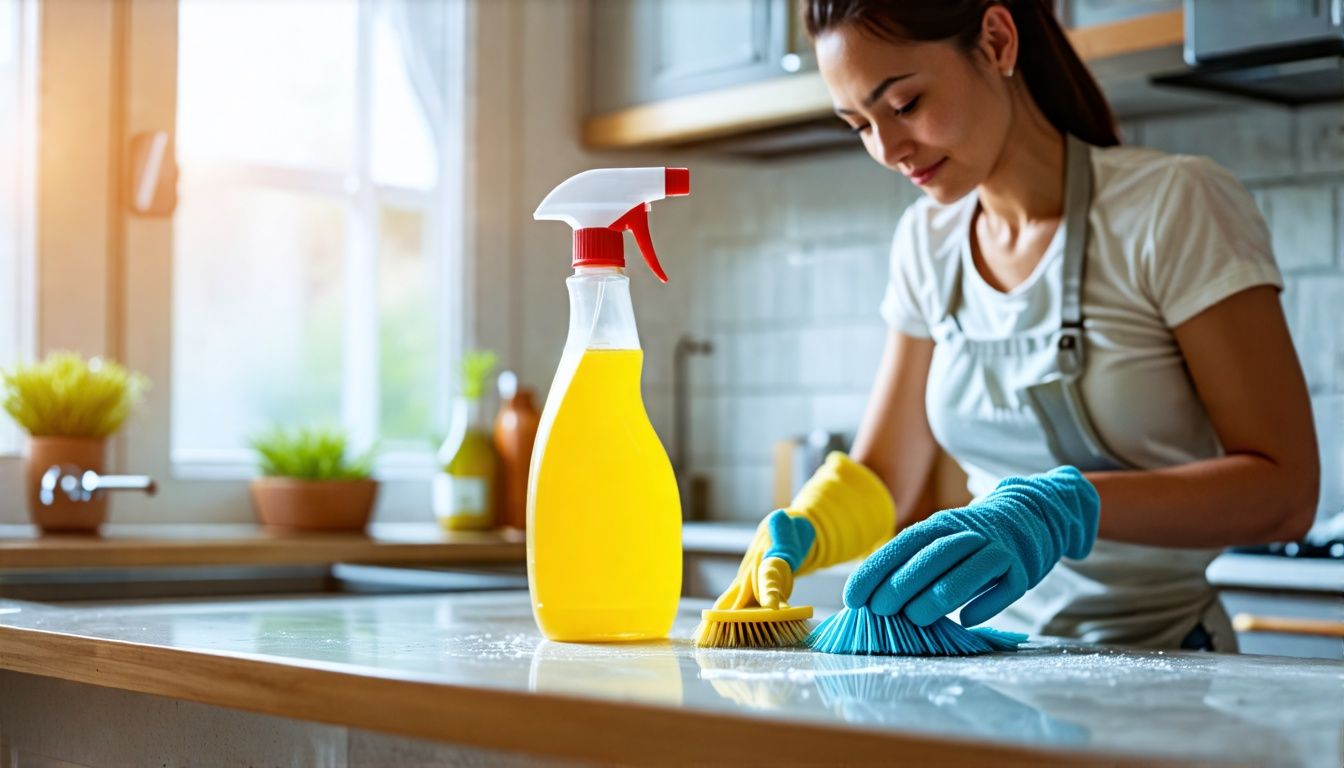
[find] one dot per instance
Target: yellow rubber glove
(852, 513)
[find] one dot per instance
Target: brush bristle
(751, 634)
(860, 631)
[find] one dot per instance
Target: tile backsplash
(789, 263)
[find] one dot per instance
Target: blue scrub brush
(860, 631)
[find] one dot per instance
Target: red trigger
(637, 221)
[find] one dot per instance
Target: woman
(1057, 299)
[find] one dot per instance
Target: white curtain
(436, 46)
(423, 28)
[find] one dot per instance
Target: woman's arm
(894, 439)
(1265, 488)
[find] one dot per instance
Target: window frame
(20, 267)
(212, 487)
(101, 277)
(363, 199)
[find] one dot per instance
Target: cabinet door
(1085, 13)
(650, 50)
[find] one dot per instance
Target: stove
(1332, 549)
(1324, 542)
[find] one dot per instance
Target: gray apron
(1056, 398)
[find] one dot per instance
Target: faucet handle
(80, 484)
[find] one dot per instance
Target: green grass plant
(476, 365)
(68, 396)
(310, 453)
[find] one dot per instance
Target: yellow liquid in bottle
(603, 513)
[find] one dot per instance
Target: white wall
(531, 99)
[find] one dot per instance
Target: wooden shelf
(767, 104)
(1118, 38)
(188, 545)
(802, 98)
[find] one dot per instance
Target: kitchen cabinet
(648, 50)
(653, 89)
(1087, 13)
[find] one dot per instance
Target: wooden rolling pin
(1245, 622)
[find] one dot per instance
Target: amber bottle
(515, 433)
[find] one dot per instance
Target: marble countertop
(472, 668)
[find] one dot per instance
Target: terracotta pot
(64, 515)
(291, 504)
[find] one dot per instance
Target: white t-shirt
(1169, 236)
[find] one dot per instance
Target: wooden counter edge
(112, 553)
(803, 96)
(553, 725)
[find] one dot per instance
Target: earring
(1008, 73)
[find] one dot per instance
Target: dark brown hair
(1060, 84)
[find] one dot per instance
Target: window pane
(307, 173)
(403, 150)
(408, 381)
(268, 81)
(9, 42)
(17, 126)
(10, 152)
(257, 314)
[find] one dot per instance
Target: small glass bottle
(463, 493)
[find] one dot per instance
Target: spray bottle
(603, 512)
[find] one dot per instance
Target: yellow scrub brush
(734, 622)
(843, 512)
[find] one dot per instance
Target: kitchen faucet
(80, 485)
(681, 429)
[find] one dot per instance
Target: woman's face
(928, 110)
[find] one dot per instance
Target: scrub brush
(753, 627)
(860, 631)
(734, 622)
(841, 513)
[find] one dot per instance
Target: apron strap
(1077, 201)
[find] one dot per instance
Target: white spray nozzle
(601, 203)
(598, 198)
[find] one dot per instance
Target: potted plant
(310, 483)
(69, 406)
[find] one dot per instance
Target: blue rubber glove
(992, 551)
(790, 538)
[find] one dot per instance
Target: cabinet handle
(796, 57)
(1246, 622)
(153, 174)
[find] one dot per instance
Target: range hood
(1284, 51)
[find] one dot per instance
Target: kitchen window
(311, 272)
(309, 241)
(18, 115)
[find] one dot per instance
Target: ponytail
(1060, 84)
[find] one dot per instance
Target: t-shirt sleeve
(1208, 241)
(901, 306)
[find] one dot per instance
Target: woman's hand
(989, 553)
(841, 513)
